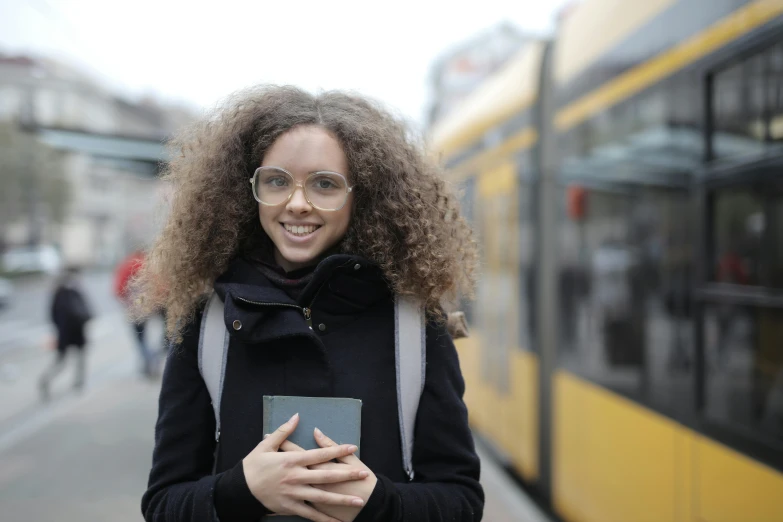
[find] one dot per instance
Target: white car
(42, 258)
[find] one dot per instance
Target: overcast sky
(198, 52)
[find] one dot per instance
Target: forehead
(306, 149)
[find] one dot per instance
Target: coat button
(357, 266)
(237, 324)
(322, 327)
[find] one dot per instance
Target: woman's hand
(362, 488)
(282, 482)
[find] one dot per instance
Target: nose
(298, 203)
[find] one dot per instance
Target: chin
(300, 259)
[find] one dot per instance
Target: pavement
(85, 456)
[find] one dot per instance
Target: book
(338, 418)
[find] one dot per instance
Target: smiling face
(300, 232)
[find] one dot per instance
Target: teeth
(301, 230)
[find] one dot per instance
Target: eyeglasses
(324, 190)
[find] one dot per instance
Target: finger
(326, 442)
(322, 439)
(310, 513)
(290, 446)
(326, 466)
(319, 496)
(335, 475)
(317, 456)
(276, 438)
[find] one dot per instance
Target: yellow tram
(625, 181)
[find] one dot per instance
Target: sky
(196, 53)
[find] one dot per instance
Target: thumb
(273, 441)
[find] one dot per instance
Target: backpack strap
(410, 359)
(212, 359)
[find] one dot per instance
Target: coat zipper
(306, 311)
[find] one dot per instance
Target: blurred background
(621, 165)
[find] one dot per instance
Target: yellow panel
(524, 414)
(594, 27)
(570, 457)
(492, 407)
(614, 461)
(498, 180)
(730, 28)
(684, 442)
(512, 90)
(732, 487)
(468, 350)
(475, 389)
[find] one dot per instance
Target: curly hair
(405, 218)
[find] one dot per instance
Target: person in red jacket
(124, 274)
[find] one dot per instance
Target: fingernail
(352, 448)
(318, 433)
(358, 502)
(265, 436)
(292, 419)
(364, 474)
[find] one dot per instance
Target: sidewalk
(89, 462)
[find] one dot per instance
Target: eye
(276, 181)
(325, 183)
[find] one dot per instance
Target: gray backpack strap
(410, 358)
(212, 353)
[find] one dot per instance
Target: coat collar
(341, 287)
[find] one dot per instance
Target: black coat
(276, 353)
(69, 313)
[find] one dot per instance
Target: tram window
(737, 236)
(744, 367)
(747, 104)
(624, 318)
(747, 236)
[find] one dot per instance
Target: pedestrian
(307, 215)
(70, 313)
(124, 274)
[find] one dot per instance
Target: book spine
(268, 413)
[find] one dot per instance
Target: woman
(343, 211)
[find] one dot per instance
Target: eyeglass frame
(300, 185)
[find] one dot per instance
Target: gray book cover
(339, 418)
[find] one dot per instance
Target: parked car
(42, 258)
(6, 291)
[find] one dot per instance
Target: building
(110, 149)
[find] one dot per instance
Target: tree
(33, 181)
